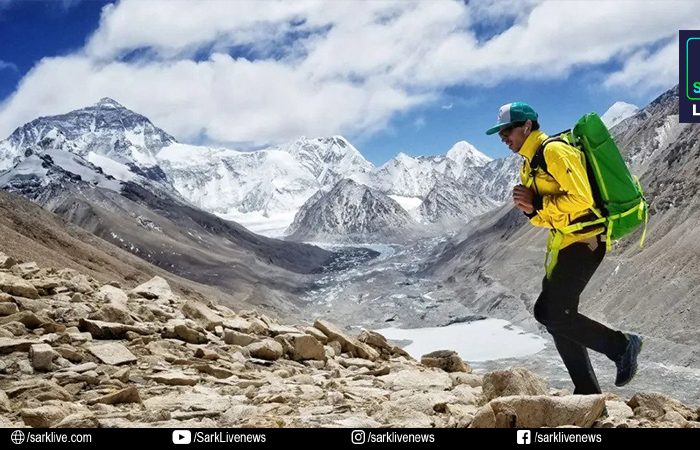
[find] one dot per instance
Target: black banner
(336, 438)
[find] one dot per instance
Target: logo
(524, 437)
(689, 76)
(357, 436)
(17, 437)
(182, 437)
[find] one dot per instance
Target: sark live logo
(689, 76)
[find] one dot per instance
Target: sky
(391, 76)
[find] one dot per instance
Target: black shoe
(627, 364)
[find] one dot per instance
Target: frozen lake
(481, 340)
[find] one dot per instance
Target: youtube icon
(182, 437)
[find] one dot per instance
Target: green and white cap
(512, 113)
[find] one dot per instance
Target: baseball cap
(512, 113)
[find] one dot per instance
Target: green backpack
(620, 202)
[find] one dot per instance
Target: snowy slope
(618, 112)
(349, 211)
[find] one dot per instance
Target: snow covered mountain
(350, 211)
(415, 177)
(264, 189)
(499, 176)
(330, 159)
(106, 129)
(450, 202)
(265, 186)
(617, 113)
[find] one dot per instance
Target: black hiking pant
(557, 309)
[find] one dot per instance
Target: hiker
(555, 198)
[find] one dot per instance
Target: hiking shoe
(627, 364)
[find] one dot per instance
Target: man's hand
(522, 199)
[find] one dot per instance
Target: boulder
(518, 381)
(653, 406)
(112, 353)
(534, 411)
(42, 355)
(268, 349)
(349, 344)
(447, 360)
(202, 314)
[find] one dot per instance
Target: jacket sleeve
(567, 167)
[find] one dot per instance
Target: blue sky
(402, 76)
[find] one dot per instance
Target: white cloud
(419, 122)
(7, 65)
(225, 99)
(646, 71)
(338, 67)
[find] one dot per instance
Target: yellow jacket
(563, 196)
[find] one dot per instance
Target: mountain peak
(618, 112)
(106, 102)
(464, 152)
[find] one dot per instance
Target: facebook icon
(524, 437)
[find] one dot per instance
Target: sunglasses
(505, 132)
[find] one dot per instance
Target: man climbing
(555, 198)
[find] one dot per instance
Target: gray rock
(306, 347)
(82, 367)
(122, 374)
(155, 288)
(25, 270)
(190, 335)
(349, 344)
(42, 355)
(237, 338)
(357, 362)
(447, 360)
(202, 314)
(7, 309)
(50, 414)
(318, 334)
(27, 318)
(653, 406)
(267, 349)
(206, 353)
(113, 314)
(128, 395)
(518, 381)
(276, 330)
(216, 372)
(469, 379)
(113, 295)
(17, 286)
(11, 345)
(238, 324)
(39, 390)
(534, 411)
(174, 379)
(79, 420)
(109, 330)
(6, 262)
(112, 353)
(374, 339)
(418, 379)
(5, 405)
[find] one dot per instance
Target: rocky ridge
(79, 353)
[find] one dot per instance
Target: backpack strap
(538, 161)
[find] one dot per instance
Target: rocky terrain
(78, 352)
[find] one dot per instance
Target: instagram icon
(357, 436)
